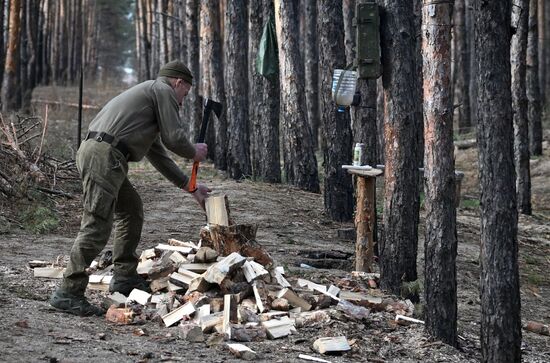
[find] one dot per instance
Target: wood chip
(49, 272)
(294, 299)
(220, 270)
(311, 358)
(164, 247)
(331, 344)
(139, 296)
(400, 319)
(278, 328)
(242, 351)
(176, 315)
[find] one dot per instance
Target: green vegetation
(290, 241)
(412, 288)
(39, 219)
(530, 260)
(534, 278)
(469, 203)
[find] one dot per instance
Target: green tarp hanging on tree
(267, 61)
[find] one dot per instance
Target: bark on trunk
(264, 103)
(300, 163)
(22, 90)
(500, 298)
(541, 50)
(418, 84)
(380, 115)
(2, 45)
(472, 87)
(193, 101)
(236, 75)
(338, 188)
(311, 64)
(519, 105)
(212, 77)
(441, 241)
(462, 68)
(181, 30)
(401, 207)
(533, 90)
(546, 45)
(9, 83)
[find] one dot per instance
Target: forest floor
(289, 222)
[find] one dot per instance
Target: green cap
(176, 69)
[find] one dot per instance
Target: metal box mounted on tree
(367, 21)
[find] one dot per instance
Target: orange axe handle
(193, 182)
(209, 105)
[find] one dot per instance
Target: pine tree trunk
(301, 31)
(163, 34)
(32, 35)
(500, 297)
(472, 87)
(236, 76)
(169, 30)
(71, 34)
(338, 188)
(441, 241)
(138, 34)
(10, 81)
(212, 77)
(3, 50)
(311, 65)
(193, 104)
(546, 46)
(348, 13)
(380, 116)
(63, 43)
(418, 84)
(462, 68)
(43, 41)
(300, 163)
(519, 105)
(541, 50)
(183, 41)
(155, 38)
(23, 57)
(533, 90)
(399, 247)
(145, 41)
(263, 104)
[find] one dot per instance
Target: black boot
(125, 284)
(74, 304)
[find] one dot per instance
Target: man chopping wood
(139, 122)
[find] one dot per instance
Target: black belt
(109, 139)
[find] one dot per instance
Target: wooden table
(365, 214)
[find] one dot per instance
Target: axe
(209, 105)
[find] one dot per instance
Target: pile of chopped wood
(228, 287)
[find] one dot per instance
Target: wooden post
(365, 215)
(364, 223)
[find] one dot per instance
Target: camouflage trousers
(109, 199)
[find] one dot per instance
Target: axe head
(213, 105)
(209, 105)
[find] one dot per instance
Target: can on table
(358, 153)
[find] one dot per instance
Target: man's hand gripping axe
(209, 105)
